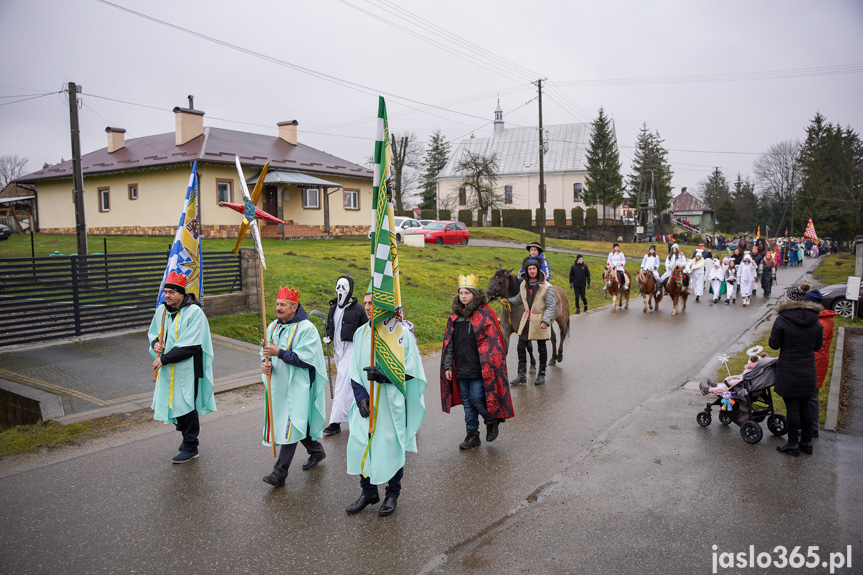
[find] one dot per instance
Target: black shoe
(521, 378)
(698, 298)
(362, 503)
(313, 461)
(540, 377)
(814, 433)
(491, 430)
(792, 451)
(585, 307)
(806, 448)
(185, 456)
(470, 440)
(577, 312)
(388, 507)
(333, 429)
(274, 480)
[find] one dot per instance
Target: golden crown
(467, 281)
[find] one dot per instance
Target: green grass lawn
(524, 236)
(835, 269)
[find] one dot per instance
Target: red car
(445, 232)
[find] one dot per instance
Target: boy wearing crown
(379, 457)
(293, 356)
(473, 363)
(182, 349)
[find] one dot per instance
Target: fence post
(249, 279)
(76, 304)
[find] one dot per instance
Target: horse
(613, 287)
(647, 289)
(504, 284)
(675, 288)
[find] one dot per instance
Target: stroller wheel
(751, 432)
(725, 418)
(777, 425)
(703, 418)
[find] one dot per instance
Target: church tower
(498, 120)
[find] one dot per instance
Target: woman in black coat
(797, 334)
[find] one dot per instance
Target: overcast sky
(660, 56)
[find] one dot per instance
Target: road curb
(831, 420)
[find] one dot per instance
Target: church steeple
(498, 119)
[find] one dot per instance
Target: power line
(27, 99)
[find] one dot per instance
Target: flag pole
(267, 359)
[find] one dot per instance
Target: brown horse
(613, 287)
(504, 284)
(647, 289)
(675, 288)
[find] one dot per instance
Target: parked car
(5, 232)
(402, 227)
(834, 299)
(445, 232)
(425, 222)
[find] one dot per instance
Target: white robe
(651, 263)
(343, 395)
(731, 283)
(746, 276)
(716, 277)
(695, 268)
(671, 262)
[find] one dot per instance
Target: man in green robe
(298, 381)
(182, 349)
(398, 420)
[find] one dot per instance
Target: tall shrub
(510, 218)
(578, 216)
(591, 217)
(465, 217)
(495, 217)
(445, 214)
(560, 217)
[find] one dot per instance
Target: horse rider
(650, 262)
(618, 260)
(535, 252)
(675, 258)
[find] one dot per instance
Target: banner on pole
(185, 256)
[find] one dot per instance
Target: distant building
(689, 208)
(137, 187)
(18, 207)
(517, 150)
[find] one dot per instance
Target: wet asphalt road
(603, 470)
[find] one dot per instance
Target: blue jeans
(473, 399)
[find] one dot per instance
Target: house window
(225, 190)
(507, 194)
(576, 192)
(104, 199)
(352, 199)
(311, 198)
(133, 191)
(462, 197)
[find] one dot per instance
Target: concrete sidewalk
(113, 374)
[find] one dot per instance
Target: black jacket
(579, 275)
(797, 334)
(354, 318)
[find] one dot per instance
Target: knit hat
(534, 245)
(794, 294)
(579, 257)
(535, 263)
(615, 245)
(675, 246)
(814, 296)
(652, 247)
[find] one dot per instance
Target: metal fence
(34, 245)
(47, 298)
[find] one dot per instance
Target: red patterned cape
(492, 357)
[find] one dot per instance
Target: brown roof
(16, 190)
(686, 202)
(214, 146)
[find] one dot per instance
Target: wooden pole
(161, 333)
(267, 359)
(371, 383)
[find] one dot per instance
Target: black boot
(792, 450)
(521, 378)
(540, 376)
(471, 440)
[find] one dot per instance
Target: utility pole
(77, 174)
(541, 171)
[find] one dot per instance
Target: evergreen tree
(831, 163)
(436, 158)
(726, 217)
(603, 182)
(714, 189)
(651, 171)
(745, 204)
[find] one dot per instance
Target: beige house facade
(138, 187)
(517, 152)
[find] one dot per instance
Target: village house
(517, 152)
(137, 187)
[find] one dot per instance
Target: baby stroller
(753, 402)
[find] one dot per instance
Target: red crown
(176, 279)
(289, 294)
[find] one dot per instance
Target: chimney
(682, 190)
(288, 131)
(189, 123)
(116, 139)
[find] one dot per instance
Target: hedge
(591, 217)
(559, 217)
(465, 217)
(577, 216)
(427, 214)
(524, 218)
(445, 214)
(495, 218)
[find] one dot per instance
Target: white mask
(343, 291)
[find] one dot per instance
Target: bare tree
(407, 159)
(11, 168)
(777, 171)
(479, 178)
(448, 201)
